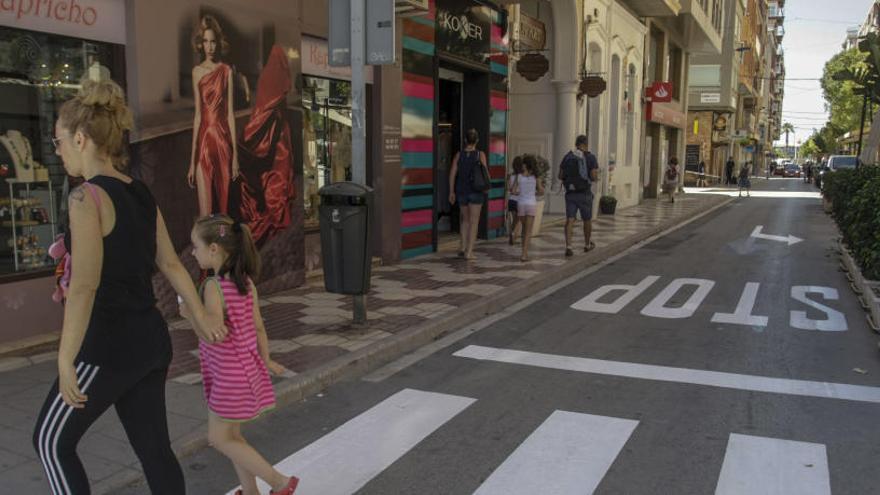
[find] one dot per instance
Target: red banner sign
(660, 92)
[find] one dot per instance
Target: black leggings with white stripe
(140, 404)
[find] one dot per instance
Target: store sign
(532, 66)
(531, 34)
(460, 24)
(710, 97)
(99, 20)
(666, 114)
(316, 61)
(660, 92)
(463, 29)
(592, 86)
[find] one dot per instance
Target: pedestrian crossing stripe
(768, 466)
(569, 453)
(345, 459)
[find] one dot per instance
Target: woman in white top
(527, 189)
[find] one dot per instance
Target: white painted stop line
(769, 466)
(344, 460)
(754, 383)
(568, 454)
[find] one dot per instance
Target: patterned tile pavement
(308, 327)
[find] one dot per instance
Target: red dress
(266, 155)
(214, 146)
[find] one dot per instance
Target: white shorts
(526, 210)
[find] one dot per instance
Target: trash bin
(345, 237)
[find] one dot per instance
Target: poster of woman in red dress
(260, 191)
(214, 162)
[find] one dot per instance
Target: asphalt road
(577, 394)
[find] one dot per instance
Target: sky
(814, 32)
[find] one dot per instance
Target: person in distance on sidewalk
(577, 171)
(670, 178)
(528, 187)
(745, 182)
(512, 200)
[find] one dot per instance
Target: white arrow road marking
(344, 460)
(790, 239)
(719, 379)
(569, 453)
(768, 466)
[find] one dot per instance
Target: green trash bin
(345, 237)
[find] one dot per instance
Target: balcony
(701, 35)
(654, 8)
(780, 32)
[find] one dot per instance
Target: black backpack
(572, 179)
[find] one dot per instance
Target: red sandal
(289, 489)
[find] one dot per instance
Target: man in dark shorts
(577, 171)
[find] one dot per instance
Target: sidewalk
(411, 303)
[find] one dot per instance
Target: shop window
(327, 138)
(38, 72)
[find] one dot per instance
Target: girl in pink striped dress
(235, 371)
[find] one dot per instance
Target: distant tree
(810, 149)
(787, 128)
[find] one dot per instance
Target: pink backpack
(58, 252)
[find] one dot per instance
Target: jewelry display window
(39, 72)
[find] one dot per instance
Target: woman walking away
(469, 183)
(670, 178)
(528, 188)
(115, 348)
(745, 182)
(235, 372)
(513, 199)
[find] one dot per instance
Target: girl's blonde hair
(243, 261)
(99, 111)
(209, 23)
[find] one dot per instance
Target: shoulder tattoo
(77, 194)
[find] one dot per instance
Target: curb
(379, 353)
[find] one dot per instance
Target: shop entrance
(462, 103)
(449, 142)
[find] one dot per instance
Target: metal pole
(358, 89)
(358, 122)
(862, 123)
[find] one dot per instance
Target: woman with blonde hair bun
(115, 348)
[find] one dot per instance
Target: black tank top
(467, 162)
(126, 330)
(129, 249)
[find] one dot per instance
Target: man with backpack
(577, 171)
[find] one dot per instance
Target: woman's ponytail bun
(99, 111)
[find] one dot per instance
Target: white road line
(421, 353)
(678, 375)
(768, 466)
(568, 454)
(345, 459)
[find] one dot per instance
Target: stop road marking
(659, 307)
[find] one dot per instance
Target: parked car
(779, 170)
(837, 162)
(792, 170)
